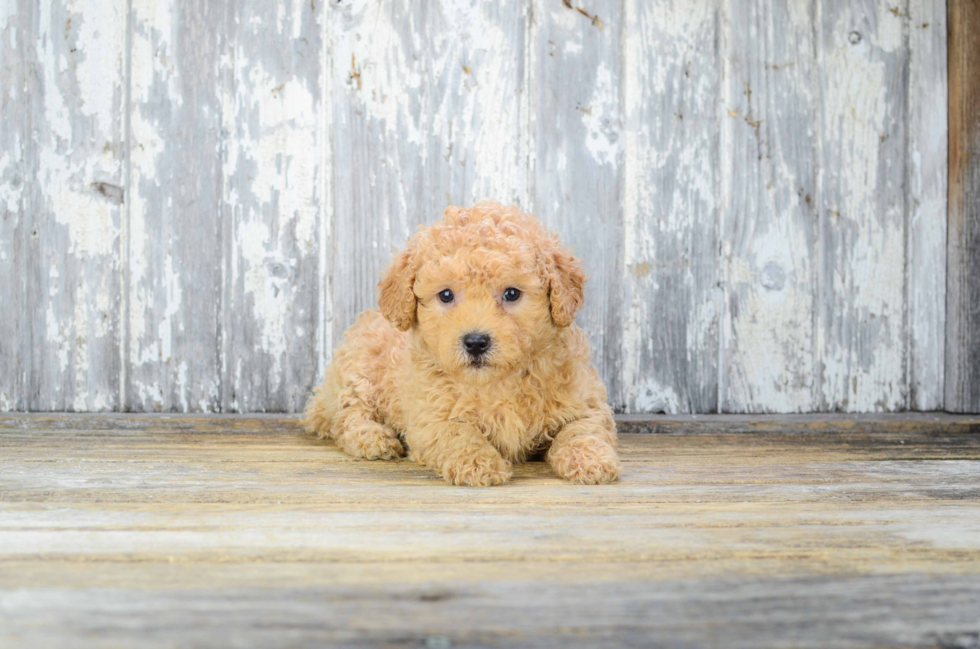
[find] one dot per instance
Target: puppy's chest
(518, 428)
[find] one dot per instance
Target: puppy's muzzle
(476, 344)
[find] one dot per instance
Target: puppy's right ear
(566, 281)
(396, 295)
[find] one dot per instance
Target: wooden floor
(726, 532)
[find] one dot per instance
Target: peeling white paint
(635, 245)
(769, 224)
(450, 117)
(602, 120)
(891, 24)
(799, 14)
(926, 261)
(77, 85)
(269, 294)
(272, 167)
(90, 220)
(98, 24)
(376, 58)
(172, 307)
(325, 124)
(182, 387)
(56, 339)
(670, 189)
(652, 397)
(150, 395)
(11, 193)
(477, 113)
(7, 11)
(862, 373)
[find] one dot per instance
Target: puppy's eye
(512, 295)
(446, 296)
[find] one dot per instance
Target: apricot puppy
(473, 361)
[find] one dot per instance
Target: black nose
(476, 344)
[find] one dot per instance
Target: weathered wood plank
(963, 251)
(427, 577)
(272, 155)
(927, 196)
(872, 424)
(425, 114)
(671, 161)
(892, 425)
(503, 532)
(77, 186)
(174, 531)
(17, 94)
(474, 82)
(908, 610)
(175, 258)
(266, 460)
(769, 219)
(862, 57)
(377, 64)
(575, 77)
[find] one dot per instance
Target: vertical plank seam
(227, 389)
(630, 353)
(944, 331)
(31, 167)
(908, 210)
(619, 309)
(724, 194)
(944, 5)
(124, 226)
(529, 101)
(324, 127)
(949, 368)
(27, 49)
(818, 402)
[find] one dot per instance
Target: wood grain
(576, 106)
(425, 107)
(673, 309)
(175, 258)
(862, 57)
(769, 223)
(927, 191)
(273, 156)
(75, 193)
(188, 530)
(963, 258)
(17, 89)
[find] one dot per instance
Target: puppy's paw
(372, 442)
(585, 460)
(483, 469)
(387, 448)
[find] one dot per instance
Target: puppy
(473, 361)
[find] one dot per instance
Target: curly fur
(402, 374)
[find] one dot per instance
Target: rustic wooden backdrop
(198, 196)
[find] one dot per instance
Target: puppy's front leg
(584, 451)
(459, 453)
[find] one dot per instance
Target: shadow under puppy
(474, 359)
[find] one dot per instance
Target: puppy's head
(485, 289)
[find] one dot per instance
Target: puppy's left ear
(566, 287)
(396, 294)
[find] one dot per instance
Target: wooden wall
(198, 197)
(963, 241)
